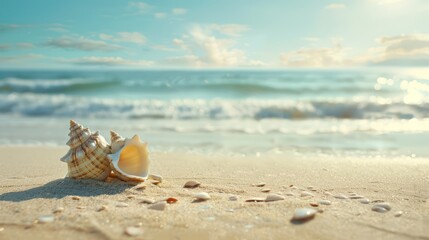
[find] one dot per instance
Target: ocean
(371, 112)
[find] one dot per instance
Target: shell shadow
(61, 188)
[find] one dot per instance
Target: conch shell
(129, 159)
(87, 157)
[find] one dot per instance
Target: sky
(195, 34)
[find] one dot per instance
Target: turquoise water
(353, 111)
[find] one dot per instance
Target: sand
(32, 184)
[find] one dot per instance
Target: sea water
(359, 111)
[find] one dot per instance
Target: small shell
(102, 208)
(255, 199)
(160, 206)
(314, 204)
(364, 200)
(379, 209)
(384, 205)
(133, 231)
(304, 214)
(261, 184)
(46, 219)
(274, 197)
(155, 177)
(202, 196)
(147, 201)
(192, 184)
(171, 200)
(131, 162)
(398, 213)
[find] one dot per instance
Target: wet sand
(32, 184)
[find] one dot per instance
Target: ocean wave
(51, 86)
(68, 106)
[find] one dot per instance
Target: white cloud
(402, 50)
(20, 58)
(233, 30)
(335, 6)
(131, 37)
(81, 43)
(160, 15)
(140, 7)
(109, 61)
(24, 45)
(179, 11)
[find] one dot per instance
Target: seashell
(87, 157)
(304, 214)
(116, 142)
(306, 194)
(398, 213)
(131, 162)
(58, 210)
(46, 219)
(77, 198)
(379, 209)
(101, 208)
(364, 200)
(384, 205)
(274, 197)
(133, 231)
(202, 196)
(192, 184)
(314, 204)
(155, 177)
(261, 184)
(255, 199)
(266, 190)
(232, 198)
(160, 206)
(171, 200)
(147, 201)
(122, 204)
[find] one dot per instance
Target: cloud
(141, 7)
(19, 58)
(109, 61)
(160, 15)
(81, 43)
(8, 27)
(402, 50)
(6, 47)
(211, 45)
(24, 45)
(315, 57)
(131, 37)
(335, 6)
(179, 11)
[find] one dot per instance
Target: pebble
(202, 196)
(356, 197)
(289, 194)
(171, 200)
(261, 184)
(314, 204)
(384, 205)
(58, 210)
(266, 190)
(147, 200)
(75, 198)
(46, 218)
(192, 184)
(233, 198)
(255, 199)
(325, 202)
(364, 200)
(274, 197)
(340, 196)
(306, 194)
(304, 214)
(398, 213)
(155, 177)
(379, 209)
(102, 208)
(122, 204)
(133, 231)
(160, 206)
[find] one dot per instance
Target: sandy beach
(33, 185)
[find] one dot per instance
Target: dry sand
(32, 185)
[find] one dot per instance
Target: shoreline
(32, 185)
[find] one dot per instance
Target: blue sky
(213, 34)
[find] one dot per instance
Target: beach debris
(171, 200)
(265, 190)
(398, 213)
(155, 177)
(46, 219)
(232, 198)
(77, 198)
(304, 214)
(160, 206)
(122, 205)
(325, 202)
(131, 162)
(101, 208)
(274, 197)
(192, 184)
(147, 201)
(255, 199)
(340, 196)
(133, 231)
(87, 156)
(381, 207)
(306, 194)
(261, 184)
(314, 204)
(202, 196)
(364, 200)
(58, 210)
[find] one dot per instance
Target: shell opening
(132, 160)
